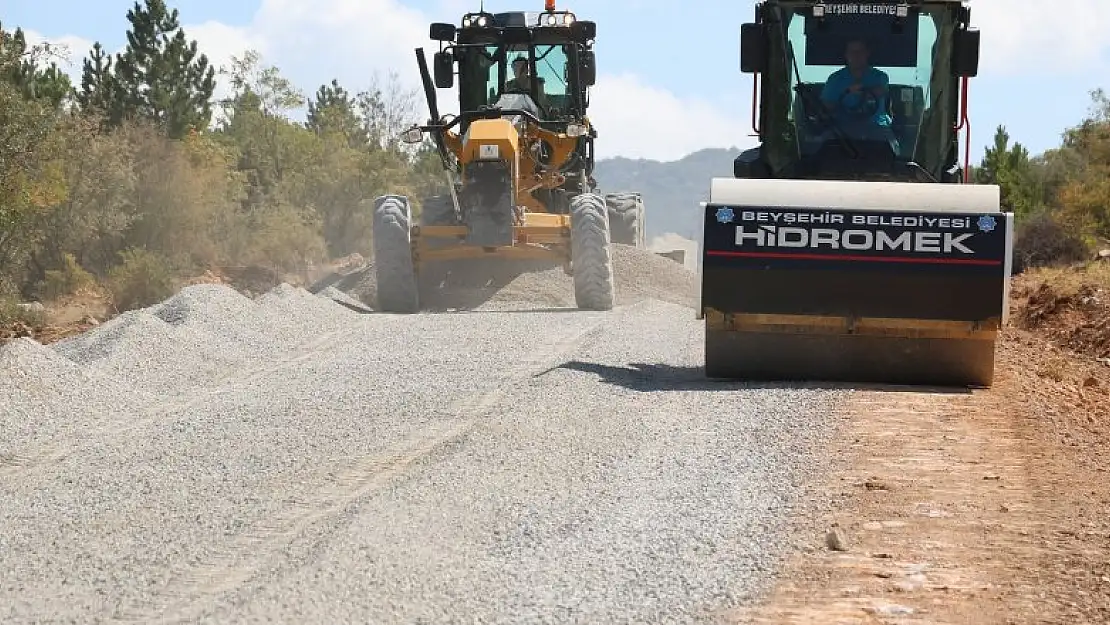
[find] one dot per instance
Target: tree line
(124, 181)
(1061, 198)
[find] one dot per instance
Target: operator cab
(555, 65)
(901, 63)
(538, 62)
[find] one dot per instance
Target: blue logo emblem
(725, 215)
(987, 223)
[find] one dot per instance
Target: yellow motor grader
(518, 156)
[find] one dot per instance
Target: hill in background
(671, 190)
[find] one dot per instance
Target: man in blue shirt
(857, 90)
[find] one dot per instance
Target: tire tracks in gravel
(46, 456)
(184, 597)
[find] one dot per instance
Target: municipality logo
(987, 223)
(725, 215)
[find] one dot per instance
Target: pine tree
(98, 86)
(21, 68)
(160, 76)
(1010, 167)
(333, 111)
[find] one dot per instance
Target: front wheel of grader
(393, 263)
(591, 256)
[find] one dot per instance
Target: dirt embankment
(1070, 307)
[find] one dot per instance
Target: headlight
(551, 20)
(466, 22)
(412, 135)
(576, 130)
(568, 19)
(482, 21)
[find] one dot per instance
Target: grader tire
(438, 210)
(591, 258)
(626, 218)
(396, 273)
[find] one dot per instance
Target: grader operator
(519, 160)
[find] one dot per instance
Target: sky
(668, 72)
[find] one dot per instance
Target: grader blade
(873, 282)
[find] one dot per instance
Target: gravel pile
(203, 335)
(140, 349)
(287, 459)
(45, 397)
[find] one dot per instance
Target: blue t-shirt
(842, 79)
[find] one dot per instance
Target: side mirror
(442, 32)
(965, 54)
(587, 69)
(753, 49)
(444, 70)
(584, 30)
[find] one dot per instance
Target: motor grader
(518, 156)
(849, 245)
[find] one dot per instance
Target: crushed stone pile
(202, 335)
(639, 275)
(45, 396)
(144, 350)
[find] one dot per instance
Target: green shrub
(68, 280)
(1045, 239)
(142, 279)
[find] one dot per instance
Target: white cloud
(638, 120)
(71, 49)
(219, 42)
(1058, 37)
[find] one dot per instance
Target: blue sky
(668, 66)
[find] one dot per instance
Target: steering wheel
(868, 107)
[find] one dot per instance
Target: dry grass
(1073, 281)
(17, 321)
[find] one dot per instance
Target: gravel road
(218, 459)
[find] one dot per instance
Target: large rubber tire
(591, 257)
(397, 288)
(626, 218)
(438, 210)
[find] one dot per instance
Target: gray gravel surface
(218, 459)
